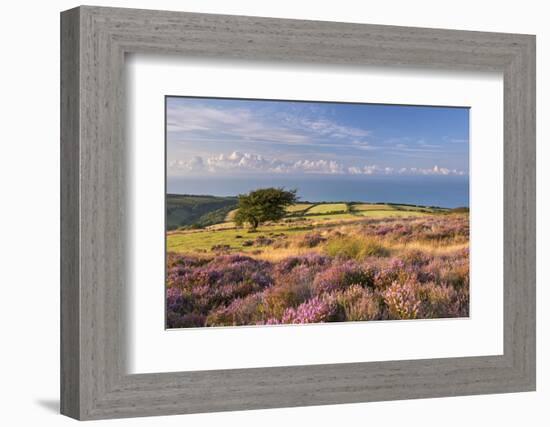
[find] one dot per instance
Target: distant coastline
(444, 192)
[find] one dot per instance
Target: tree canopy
(263, 204)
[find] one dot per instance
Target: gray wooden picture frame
(94, 382)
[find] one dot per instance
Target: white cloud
(377, 170)
(242, 161)
(254, 163)
(194, 164)
(318, 166)
(186, 119)
(234, 123)
(249, 162)
(199, 124)
(436, 170)
(329, 128)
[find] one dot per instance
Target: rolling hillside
(184, 211)
(191, 210)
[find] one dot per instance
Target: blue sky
(209, 137)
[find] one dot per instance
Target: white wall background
(29, 224)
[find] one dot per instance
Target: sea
(442, 191)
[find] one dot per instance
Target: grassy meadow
(322, 262)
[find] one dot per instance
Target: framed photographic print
(285, 212)
(261, 213)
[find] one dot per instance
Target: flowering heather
(439, 301)
(447, 228)
(402, 300)
(357, 303)
(310, 240)
(219, 281)
(242, 311)
(309, 260)
(314, 310)
(394, 268)
(341, 276)
(292, 289)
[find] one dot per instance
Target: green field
(359, 207)
(325, 208)
(380, 210)
(341, 216)
(199, 241)
(389, 213)
(202, 224)
(299, 207)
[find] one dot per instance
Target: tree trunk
(254, 223)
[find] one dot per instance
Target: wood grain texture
(94, 232)
(70, 259)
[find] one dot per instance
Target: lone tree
(264, 204)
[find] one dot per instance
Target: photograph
(317, 212)
(281, 212)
